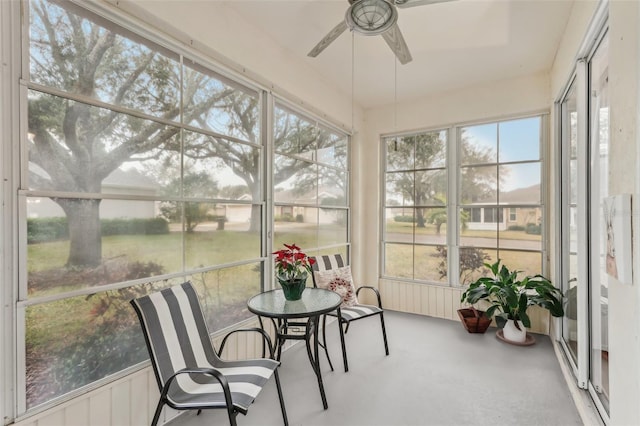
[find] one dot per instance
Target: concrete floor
(436, 374)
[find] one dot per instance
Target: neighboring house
(288, 204)
(121, 182)
(512, 210)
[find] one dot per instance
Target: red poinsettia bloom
(292, 262)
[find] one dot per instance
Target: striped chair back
(175, 331)
(328, 262)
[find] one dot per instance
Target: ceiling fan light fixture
(371, 17)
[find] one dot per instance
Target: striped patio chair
(189, 371)
(332, 273)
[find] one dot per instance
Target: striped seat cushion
(246, 379)
(357, 311)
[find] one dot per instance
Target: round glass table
(314, 303)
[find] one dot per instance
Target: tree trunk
(438, 226)
(420, 218)
(85, 238)
(256, 218)
(256, 210)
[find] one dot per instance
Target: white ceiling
(454, 44)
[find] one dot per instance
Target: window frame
(14, 352)
(454, 206)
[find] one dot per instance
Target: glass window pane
(296, 225)
(223, 293)
(430, 188)
(332, 226)
(399, 189)
(520, 183)
(332, 149)
(219, 168)
(400, 153)
(524, 229)
(520, 139)
(529, 263)
(430, 263)
(332, 187)
(478, 184)
(216, 103)
(72, 342)
(430, 150)
(573, 182)
(481, 228)
(431, 225)
(108, 241)
(399, 224)
(294, 135)
(211, 240)
(478, 144)
(295, 181)
(398, 260)
(99, 151)
(471, 264)
(77, 52)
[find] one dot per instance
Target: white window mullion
(583, 222)
(453, 209)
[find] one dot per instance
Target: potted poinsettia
(508, 298)
(292, 269)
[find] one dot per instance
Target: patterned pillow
(340, 281)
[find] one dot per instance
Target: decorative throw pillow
(340, 281)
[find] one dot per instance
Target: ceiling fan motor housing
(371, 17)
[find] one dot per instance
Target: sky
(514, 140)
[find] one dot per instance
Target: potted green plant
(508, 298)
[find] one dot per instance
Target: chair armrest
(208, 372)
(266, 340)
(375, 290)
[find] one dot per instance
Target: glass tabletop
(314, 301)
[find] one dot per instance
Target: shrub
(284, 218)
(40, 230)
(534, 229)
(471, 260)
(134, 226)
(404, 218)
(515, 228)
(299, 218)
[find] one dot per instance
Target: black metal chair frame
(347, 322)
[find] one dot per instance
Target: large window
(143, 168)
(311, 181)
(415, 206)
(501, 215)
(490, 208)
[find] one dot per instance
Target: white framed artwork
(617, 237)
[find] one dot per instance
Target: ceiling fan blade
(396, 42)
(328, 39)
(412, 3)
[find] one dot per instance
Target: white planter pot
(510, 332)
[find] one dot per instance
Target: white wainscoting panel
(440, 302)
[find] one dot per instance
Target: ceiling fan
(374, 17)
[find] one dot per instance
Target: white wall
(624, 300)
